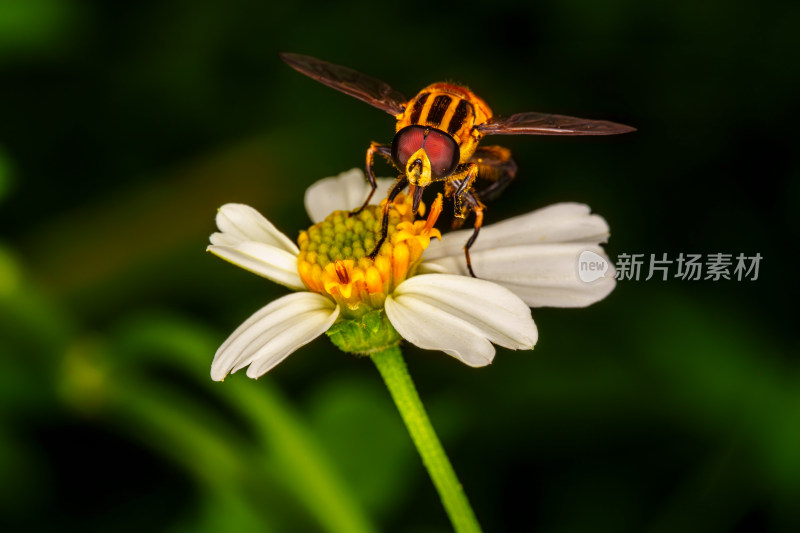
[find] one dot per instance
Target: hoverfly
(437, 136)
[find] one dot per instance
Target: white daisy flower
(431, 302)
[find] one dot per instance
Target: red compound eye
(406, 142)
(442, 150)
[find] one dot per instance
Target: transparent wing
(544, 124)
(372, 91)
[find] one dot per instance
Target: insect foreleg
(395, 190)
(475, 205)
(385, 151)
(467, 179)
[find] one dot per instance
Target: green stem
(393, 369)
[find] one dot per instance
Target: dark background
(670, 406)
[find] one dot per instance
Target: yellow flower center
(334, 258)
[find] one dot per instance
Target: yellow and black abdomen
(451, 109)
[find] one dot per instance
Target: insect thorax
(449, 108)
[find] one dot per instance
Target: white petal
(224, 239)
(565, 222)
(427, 267)
(460, 316)
(274, 332)
(265, 260)
(534, 255)
(540, 274)
(239, 223)
(344, 192)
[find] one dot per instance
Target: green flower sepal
(370, 333)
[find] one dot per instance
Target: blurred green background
(670, 406)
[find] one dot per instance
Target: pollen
(334, 254)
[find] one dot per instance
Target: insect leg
(385, 151)
(395, 190)
(478, 207)
(469, 175)
(495, 168)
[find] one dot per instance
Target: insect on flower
(437, 136)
